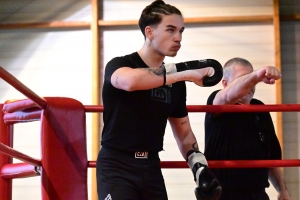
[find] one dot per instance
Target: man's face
(167, 35)
(240, 71)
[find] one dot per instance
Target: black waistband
(130, 154)
(245, 191)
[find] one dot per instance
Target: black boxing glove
(199, 64)
(208, 187)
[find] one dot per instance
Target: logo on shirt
(141, 154)
(108, 197)
(161, 94)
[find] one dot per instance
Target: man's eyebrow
(172, 26)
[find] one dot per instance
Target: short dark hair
(152, 14)
(227, 69)
(237, 60)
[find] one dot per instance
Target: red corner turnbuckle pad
(16, 111)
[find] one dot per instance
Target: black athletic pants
(122, 176)
(244, 195)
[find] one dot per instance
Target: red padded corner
(64, 155)
(11, 106)
(28, 115)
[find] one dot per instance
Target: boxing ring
(63, 164)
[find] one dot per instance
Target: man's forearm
(277, 179)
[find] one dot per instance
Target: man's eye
(170, 30)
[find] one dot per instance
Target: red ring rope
(228, 164)
(225, 108)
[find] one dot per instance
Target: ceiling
(22, 11)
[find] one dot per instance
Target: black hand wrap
(199, 64)
(208, 187)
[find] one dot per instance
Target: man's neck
(150, 57)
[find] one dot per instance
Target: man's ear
(224, 82)
(149, 32)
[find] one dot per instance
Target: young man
(243, 136)
(139, 96)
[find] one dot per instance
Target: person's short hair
(152, 14)
(227, 69)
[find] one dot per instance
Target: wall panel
(131, 9)
(290, 42)
(290, 51)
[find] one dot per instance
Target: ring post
(5, 138)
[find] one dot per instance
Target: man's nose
(178, 37)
